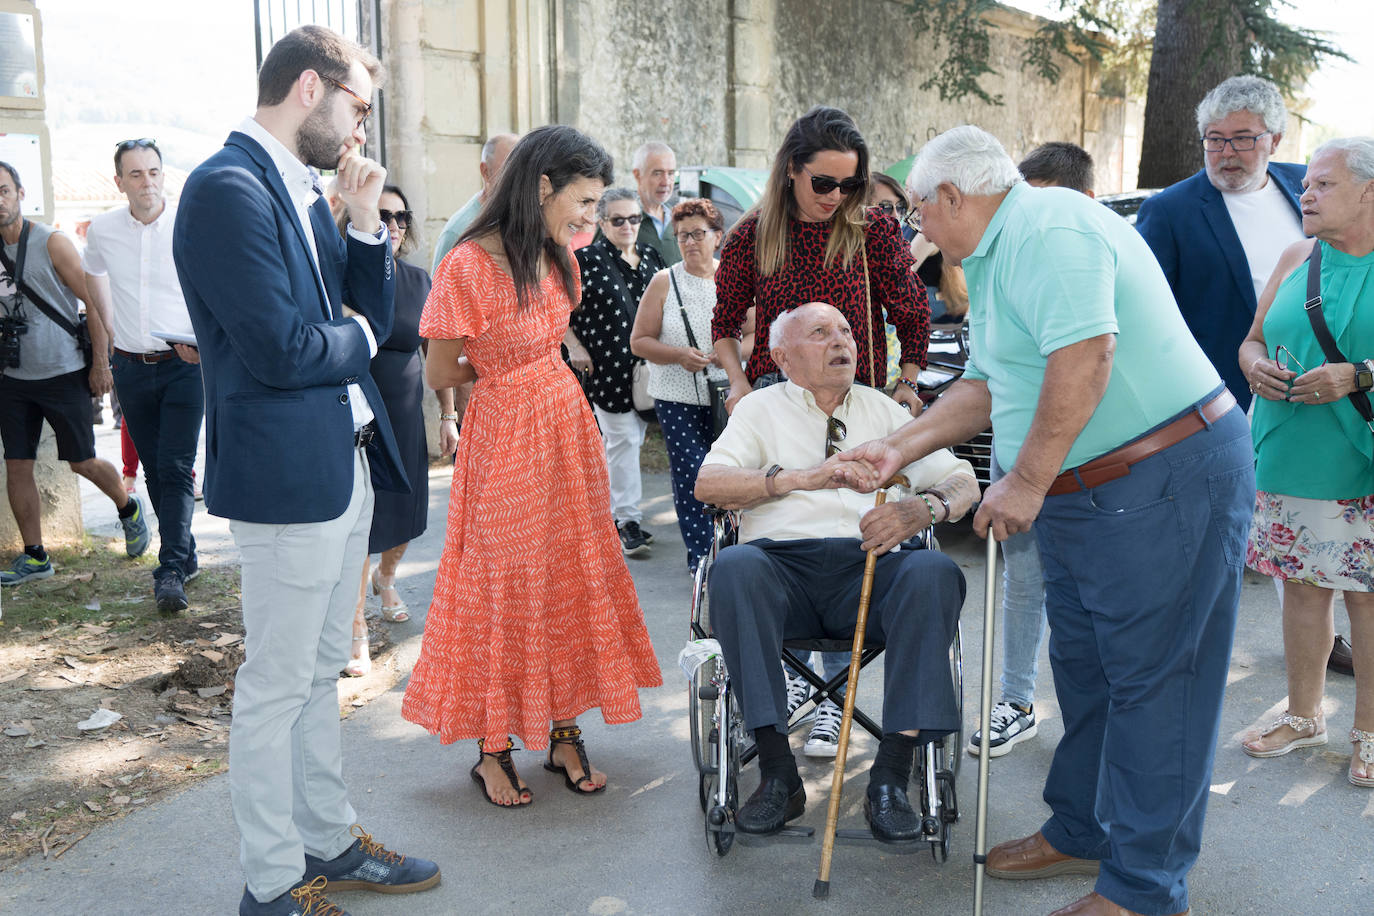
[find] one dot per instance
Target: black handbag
(1330, 350)
(717, 390)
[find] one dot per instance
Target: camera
(11, 329)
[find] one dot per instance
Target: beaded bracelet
(929, 506)
(903, 380)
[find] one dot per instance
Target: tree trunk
(1197, 45)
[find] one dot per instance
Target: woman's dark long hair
(821, 128)
(513, 207)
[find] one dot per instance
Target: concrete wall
(57, 486)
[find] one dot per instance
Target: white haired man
(655, 171)
(797, 568)
(1124, 448)
(1219, 233)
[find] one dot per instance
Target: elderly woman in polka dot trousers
(673, 332)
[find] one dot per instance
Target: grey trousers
(300, 588)
(766, 591)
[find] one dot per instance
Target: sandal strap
(568, 734)
(505, 763)
(1297, 723)
(572, 735)
(1366, 741)
(482, 747)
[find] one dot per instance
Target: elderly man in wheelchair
(797, 569)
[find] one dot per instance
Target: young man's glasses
(823, 184)
(696, 235)
(618, 221)
(834, 435)
(401, 218)
(1239, 144)
(367, 106)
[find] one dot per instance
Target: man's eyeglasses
(834, 435)
(367, 106)
(823, 184)
(1238, 144)
(696, 235)
(618, 221)
(893, 208)
(912, 220)
(401, 218)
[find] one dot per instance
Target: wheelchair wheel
(949, 813)
(954, 743)
(701, 710)
(727, 747)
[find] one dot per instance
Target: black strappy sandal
(507, 767)
(572, 735)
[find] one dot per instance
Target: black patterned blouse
(611, 289)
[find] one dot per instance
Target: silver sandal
(1298, 724)
(1365, 753)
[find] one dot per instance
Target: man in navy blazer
(296, 439)
(1219, 233)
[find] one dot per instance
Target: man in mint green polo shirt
(1125, 450)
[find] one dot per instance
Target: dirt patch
(107, 705)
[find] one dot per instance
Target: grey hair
(489, 148)
(967, 157)
(778, 329)
(614, 195)
(1243, 93)
(648, 149)
(1359, 155)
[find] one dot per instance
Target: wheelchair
(721, 746)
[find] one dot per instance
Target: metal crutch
(832, 815)
(980, 836)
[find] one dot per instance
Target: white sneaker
(798, 691)
(1008, 727)
(824, 740)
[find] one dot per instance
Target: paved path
(1288, 835)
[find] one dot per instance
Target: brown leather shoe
(1096, 905)
(1342, 659)
(1033, 857)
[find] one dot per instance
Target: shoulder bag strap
(868, 313)
(16, 272)
(687, 325)
(1332, 352)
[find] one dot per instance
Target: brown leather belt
(1117, 463)
(154, 356)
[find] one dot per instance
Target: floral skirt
(1328, 543)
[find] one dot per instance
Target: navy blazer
(1190, 231)
(276, 366)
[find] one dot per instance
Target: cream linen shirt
(145, 293)
(300, 184)
(782, 425)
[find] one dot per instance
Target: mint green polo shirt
(1055, 267)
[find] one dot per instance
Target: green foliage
(1280, 52)
(1118, 34)
(959, 25)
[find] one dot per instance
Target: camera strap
(16, 272)
(1330, 350)
(15, 269)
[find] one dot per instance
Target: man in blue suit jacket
(296, 438)
(1219, 233)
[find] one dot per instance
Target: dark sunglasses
(892, 208)
(834, 435)
(823, 184)
(618, 221)
(124, 146)
(402, 218)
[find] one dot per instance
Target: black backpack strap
(17, 276)
(1332, 352)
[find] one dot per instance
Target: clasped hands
(1323, 385)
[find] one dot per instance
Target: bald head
(814, 347)
(494, 153)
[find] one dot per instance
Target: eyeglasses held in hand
(1283, 356)
(834, 435)
(1238, 144)
(696, 235)
(402, 218)
(824, 184)
(892, 208)
(367, 106)
(618, 221)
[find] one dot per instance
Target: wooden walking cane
(980, 833)
(832, 815)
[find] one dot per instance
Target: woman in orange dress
(535, 618)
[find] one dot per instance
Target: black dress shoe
(1342, 660)
(770, 807)
(890, 816)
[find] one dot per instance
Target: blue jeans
(1142, 580)
(1023, 612)
(164, 404)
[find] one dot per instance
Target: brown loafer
(1096, 905)
(1033, 857)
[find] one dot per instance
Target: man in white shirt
(132, 280)
(797, 569)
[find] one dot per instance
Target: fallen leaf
(138, 801)
(107, 783)
(227, 639)
(19, 816)
(213, 656)
(94, 605)
(94, 806)
(360, 702)
(120, 799)
(35, 742)
(169, 692)
(13, 675)
(83, 577)
(18, 730)
(71, 662)
(209, 626)
(101, 718)
(206, 692)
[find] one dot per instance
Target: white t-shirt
(1266, 224)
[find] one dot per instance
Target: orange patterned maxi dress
(534, 616)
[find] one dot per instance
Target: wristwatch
(1364, 375)
(770, 486)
